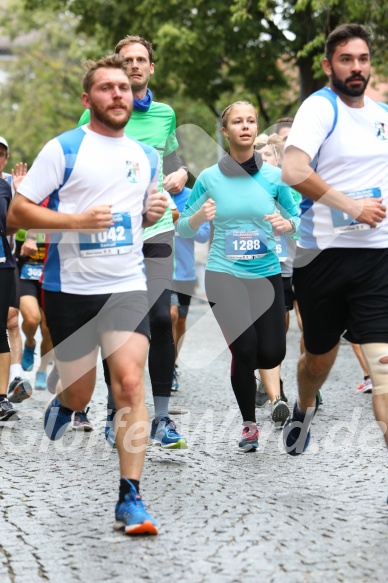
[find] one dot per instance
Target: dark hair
(343, 33)
(226, 111)
(130, 40)
(283, 122)
(108, 62)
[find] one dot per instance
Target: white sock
(15, 371)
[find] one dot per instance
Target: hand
(156, 205)
(370, 211)
(28, 248)
(95, 220)
(206, 213)
(18, 173)
(279, 224)
(175, 215)
(175, 181)
(208, 210)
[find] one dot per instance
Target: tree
(42, 95)
(204, 51)
(242, 48)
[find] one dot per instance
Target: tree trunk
(308, 84)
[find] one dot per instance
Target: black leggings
(250, 313)
(161, 359)
(158, 261)
(7, 281)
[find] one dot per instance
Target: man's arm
(25, 214)
(297, 172)
(175, 181)
(176, 174)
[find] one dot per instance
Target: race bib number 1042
(117, 239)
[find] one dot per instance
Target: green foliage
(207, 55)
(42, 95)
(203, 50)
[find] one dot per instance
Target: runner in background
(184, 278)
(30, 253)
(240, 195)
(19, 388)
(7, 282)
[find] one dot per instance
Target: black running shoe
(6, 410)
(19, 390)
(261, 395)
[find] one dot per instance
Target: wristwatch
(293, 231)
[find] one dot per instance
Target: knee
(376, 356)
(315, 366)
(271, 360)
(13, 319)
(271, 354)
(243, 354)
(31, 320)
(161, 320)
(130, 392)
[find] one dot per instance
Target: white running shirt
(117, 171)
(353, 160)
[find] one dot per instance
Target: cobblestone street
(224, 516)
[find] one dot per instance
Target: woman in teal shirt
(248, 204)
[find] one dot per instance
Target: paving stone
(225, 517)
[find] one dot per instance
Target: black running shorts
(76, 322)
(31, 287)
(342, 290)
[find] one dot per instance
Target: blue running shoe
(250, 438)
(56, 419)
(109, 430)
(28, 358)
(132, 516)
(41, 380)
(165, 435)
(296, 430)
(19, 390)
(175, 382)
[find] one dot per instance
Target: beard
(138, 87)
(107, 118)
(346, 89)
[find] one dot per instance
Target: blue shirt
(184, 260)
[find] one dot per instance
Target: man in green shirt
(154, 123)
